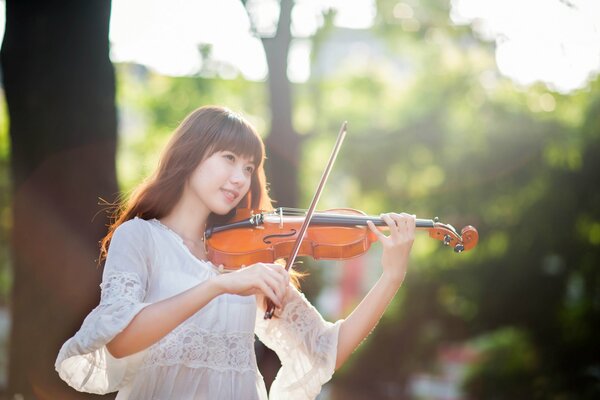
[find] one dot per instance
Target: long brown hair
(205, 131)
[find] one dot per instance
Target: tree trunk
(60, 90)
(282, 143)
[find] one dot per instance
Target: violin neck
(325, 219)
(360, 220)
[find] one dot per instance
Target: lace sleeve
(306, 345)
(83, 361)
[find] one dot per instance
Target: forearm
(355, 328)
(157, 320)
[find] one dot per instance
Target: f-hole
(267, 238)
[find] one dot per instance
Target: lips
(230, 195)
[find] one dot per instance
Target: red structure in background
(351, 284)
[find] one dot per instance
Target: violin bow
(311, 210)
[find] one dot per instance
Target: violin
(255, 236)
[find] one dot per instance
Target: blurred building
(356, 50)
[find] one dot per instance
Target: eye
(229, 156)
(250, 169)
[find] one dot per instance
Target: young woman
(171, 325)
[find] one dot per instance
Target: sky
(165, 34)
(553, 41)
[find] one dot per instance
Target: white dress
(211, 354)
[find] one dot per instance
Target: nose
(238, 177)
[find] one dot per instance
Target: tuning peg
(459, 248)
(447, 240)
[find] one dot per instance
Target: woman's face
(221, 181)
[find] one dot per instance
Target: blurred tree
(60, 89)
(282, 142)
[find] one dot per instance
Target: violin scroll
(446, 233)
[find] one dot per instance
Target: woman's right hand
(270, 280)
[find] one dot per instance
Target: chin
(223, 211)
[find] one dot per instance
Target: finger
(399, 220)
(278, 268)
(393, 226)
(402, 222)
(413, 222)
(269, 292)
(409, 224)
(407, 219)
(277, 283)
(376, 231)
(387, 218)
(279, 273)
(284, 276)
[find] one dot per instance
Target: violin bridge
(280, 217)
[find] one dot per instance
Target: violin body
(337, 234)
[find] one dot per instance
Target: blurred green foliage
(459, 141)
(5, 199)
(506, 366)
(151, 106)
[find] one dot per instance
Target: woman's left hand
(396, 246)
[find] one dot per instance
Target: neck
(187, 219)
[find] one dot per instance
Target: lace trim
(122, 285)
(300, 328)
(295, 313)
(197, 348)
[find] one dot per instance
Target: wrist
(215, 286)
(393, 278)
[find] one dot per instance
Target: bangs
(238, 136)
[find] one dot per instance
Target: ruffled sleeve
(83, 361)
(306, 345)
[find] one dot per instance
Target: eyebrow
(250, 160)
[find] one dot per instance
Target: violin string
(293, 211)
(325, 217)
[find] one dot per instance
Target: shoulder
(135, 224)
(132, 229)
